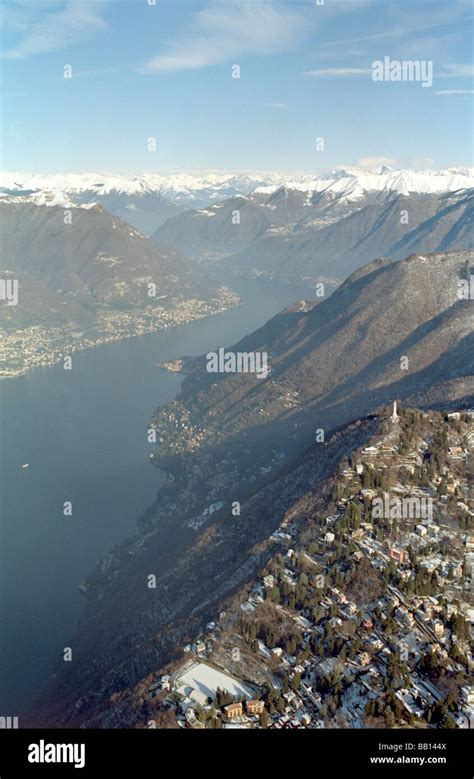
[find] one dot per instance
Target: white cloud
(375, 162)
(50, 25)
(224, 32)
(336, 72)
(275, 105)
(446, 71)
(454, 92)
(458, 70)
(407, 20)
(401, 163)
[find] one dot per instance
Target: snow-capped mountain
(330, 225)
(147, 200)
(43, 197)
(354, 183)
(219, 185)
(175, 186)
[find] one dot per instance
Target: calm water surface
(83, 432)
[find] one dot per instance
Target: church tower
(394, 416)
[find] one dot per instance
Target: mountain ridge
(84, 277)
(292, 236)
(149, 199)
(233, 437)
(429, 180)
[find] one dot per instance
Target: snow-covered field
(206, 679)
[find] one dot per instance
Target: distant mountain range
(311, 229)
(323, 229)
(393, 330)
(147, 200)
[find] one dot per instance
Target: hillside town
(362, 617)
(38, 345)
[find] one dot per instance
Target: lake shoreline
(84, 433)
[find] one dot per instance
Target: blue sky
(141, 70)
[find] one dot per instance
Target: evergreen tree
(296, 681)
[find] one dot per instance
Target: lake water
(84, 434)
